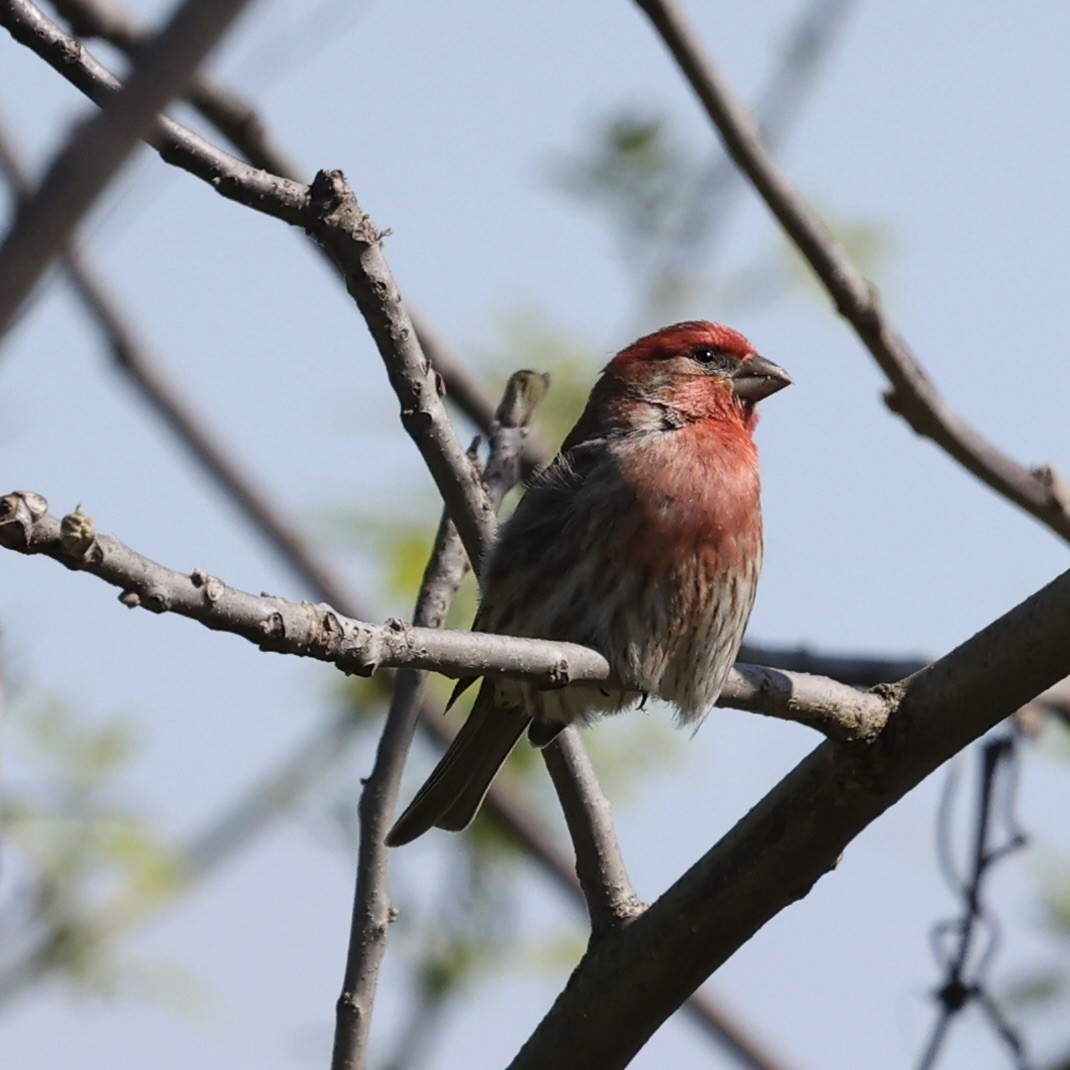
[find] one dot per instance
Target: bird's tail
(457, 786)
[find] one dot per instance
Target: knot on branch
(213, 587)
(955, 995)
(19, 510)
(905, 404)
(1055, 487)
(333, 206)
(154, 599)
(559, 675)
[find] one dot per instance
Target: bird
(641, 539)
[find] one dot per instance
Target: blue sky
(942, 127)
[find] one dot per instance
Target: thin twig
(858, 670)
(467, 393)
(372, 909)
(231, 178)
(353, 241)
(611, 899)
(778, 105)
(134, 358)
(235, 118)
(1039, 491)
(964, 971)
(94, 152)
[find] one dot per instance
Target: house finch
(642, 539)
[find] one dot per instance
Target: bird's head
(698, 370)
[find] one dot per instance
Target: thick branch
(1039, 491)
(318, 631)
(630, 982)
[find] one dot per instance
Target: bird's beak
(757, 378)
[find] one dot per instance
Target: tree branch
(94, 152)
(1039, 491)
(354, 243)
(467, 393)
(318, 631)
(447, 567)
(611, 899)
(631, 981)
(329, 212)
(235, 119)
(134, 358)
(278, 197)
(240, 124)
(373, 911)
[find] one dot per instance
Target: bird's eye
(705, 354)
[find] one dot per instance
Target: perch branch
(743, 1044)
(284, 198)
(318, 631)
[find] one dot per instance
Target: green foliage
(71, 840)
(668, 205)
(1040, 988)
(634, 167)
(1057, 902)
(658, 194)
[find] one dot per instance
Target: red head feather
(680, 338)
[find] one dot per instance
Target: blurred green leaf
(1036, 990)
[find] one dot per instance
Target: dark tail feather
(457, 786)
